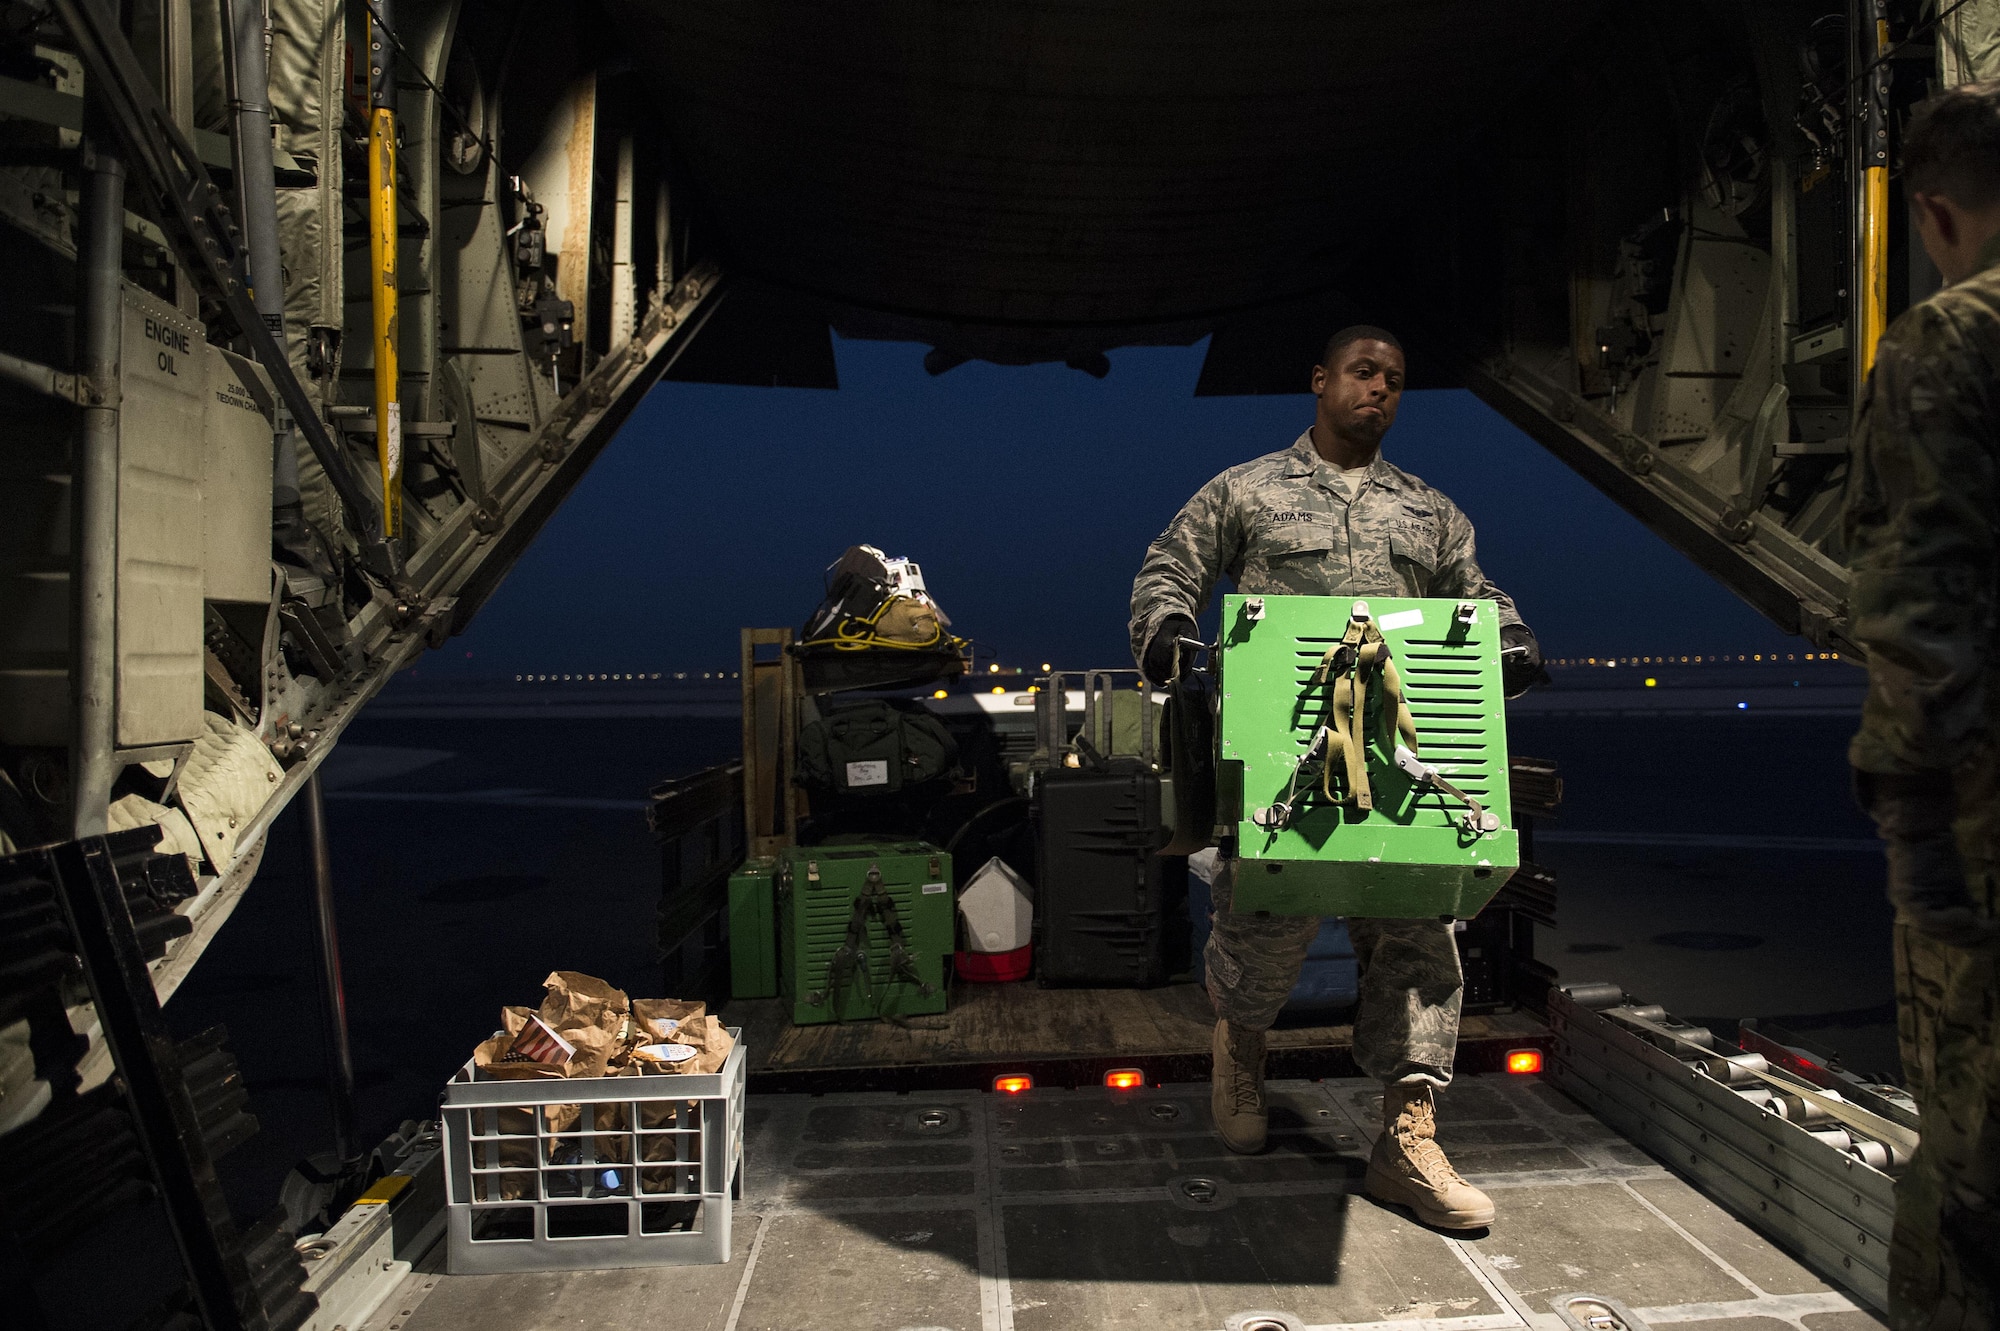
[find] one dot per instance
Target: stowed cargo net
(1364, 755)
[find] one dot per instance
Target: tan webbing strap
(1404, 725)
(1348, 733)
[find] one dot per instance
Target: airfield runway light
(1652, 683)
(993, 669)
(1124, 1079)
(1524, 1062)
(1013, 1083)
(1743, 707)
(941, 693)
(999, 688)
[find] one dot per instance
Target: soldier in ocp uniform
(1329, 517)
(1922, 531)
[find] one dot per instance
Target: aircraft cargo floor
(1061, 1036)
(1059, 1210)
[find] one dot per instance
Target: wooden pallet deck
(1025, 1023)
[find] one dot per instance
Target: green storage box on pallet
(818, 889)
(1420, 850)
(753, 930)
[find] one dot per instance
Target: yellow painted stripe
(1874, 261)
(382, 246)
(1874, 243)
(383, 1190)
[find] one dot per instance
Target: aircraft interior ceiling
(1028, 168)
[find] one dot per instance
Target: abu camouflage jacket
(1283, 525)
(1922, 505)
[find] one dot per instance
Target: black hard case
(1106, 901)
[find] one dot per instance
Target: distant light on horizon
(617, 676)
(1725, 658)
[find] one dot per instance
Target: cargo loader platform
(1077, 1208)
(1062, 1037)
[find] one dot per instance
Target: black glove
(1158, 659)
(1520, 661)
(1927, 884)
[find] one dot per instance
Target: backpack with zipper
(875, 748)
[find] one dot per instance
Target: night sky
(1028, 496)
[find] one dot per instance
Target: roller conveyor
(1810, 1160)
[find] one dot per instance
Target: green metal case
(753, 930)
(816, 891)
(1410, 856)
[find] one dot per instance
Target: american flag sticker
(538, 1044)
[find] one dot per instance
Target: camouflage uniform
(1284, 525)
(1923, 499)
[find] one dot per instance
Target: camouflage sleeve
(1918, 519)
(1458, 572)
(1185, 562)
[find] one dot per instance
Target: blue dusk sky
(1028, 495)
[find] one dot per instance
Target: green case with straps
(1400, 813)
(838, 902)
(753, 930)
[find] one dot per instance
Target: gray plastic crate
(587, 1173)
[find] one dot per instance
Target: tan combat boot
(1236, 1089)
(1408, 1167)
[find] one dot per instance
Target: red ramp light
(1013, 1083)
(1124, 1079)
(1524, 1062)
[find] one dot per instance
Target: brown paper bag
(682, 1147)
(659, 1016)
(489, 1063)
(614, 1116)
(698, 1045)
(712, 1043)
(594, 1048)
(575, 999)
(518, 1154)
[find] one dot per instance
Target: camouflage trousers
(1406, 1027)
(1944, 1258)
